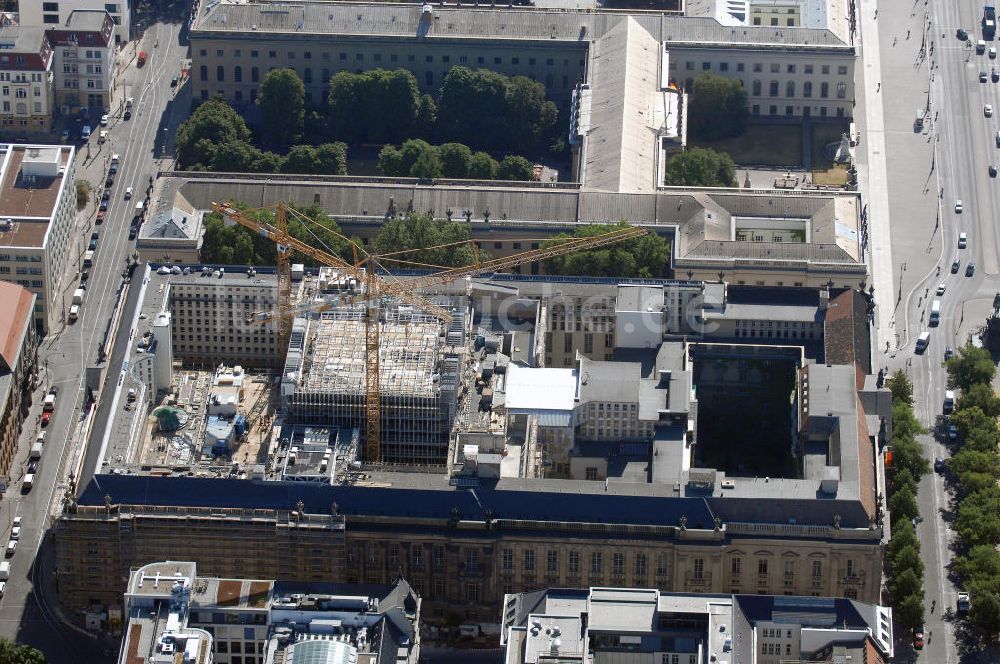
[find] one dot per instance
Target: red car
(918, 638)
(45, 419)
(100, 216)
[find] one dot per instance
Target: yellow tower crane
(376, 287)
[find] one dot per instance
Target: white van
(74, 313)
(4, 570)
(923, 341)
(949, 401)
(88, 258)
(935, 312)
(28, 482)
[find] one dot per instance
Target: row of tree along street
(975, 469)
(904, 567)
(419, 236)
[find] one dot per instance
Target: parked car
(15, 533)
(33, 466)
(92, 246)
(952, 432)
(970, 269)
(46, 418)
(938, 465)
(64, 136)
(918, 638)
(104, 206)
(11, 548)
(85, 132)
(173, 82)
(955, 264)
(100, 217)
(104, 120)
(110, 181)
(949, 353)
(106, 195)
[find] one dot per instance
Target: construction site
(420, 362)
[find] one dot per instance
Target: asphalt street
(25, 613)
(923, 65)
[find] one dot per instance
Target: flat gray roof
(394, 21)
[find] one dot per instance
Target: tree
(456, 159)
(901, 387)
(904, 423)
(427, 165)
(980, 395)
(233, 157)
(332, 158)
(214, 122)
(530, 118)
(718, 107)
(390, 162)
(910, 611)
(903, 504)
(472, 107)
(978, 518)
(985, 614)
(15, 653)
(483, 167)
(515, 168)
(969, 366)
(908, 558)
(978, 430)
(645, 256)
(283, 104)
(426, 115)
(83, 189)
(966, 461)
(905, 584)
(980, 561)
(903, 537)
(701, 167)
(377, 106)
(417, 233)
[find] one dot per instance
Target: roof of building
(21, 39)
(170, 216)
(17, 305)
(490, 23)
(32, 179)
(622, 144)
(704, 220)
(92, 24)
(537, 389)
(639, 298)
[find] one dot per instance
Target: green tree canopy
(427, 165)
(969, 366)
(901, 387)
(236, 245)
(978, 518)
(282, 103)
(718, 107)
(483, 167)
(910, 611)
(376, 106)
(488, 109)
(903, 504)
(980, 561)
(15, 653)
(985, 614)
(908, 558)
(417, 233)
(978, 430)
(905, 584)
(456, 159)
(645, 256)
(980, 395)
(701, 167)
(327, 159)
(903, 536)
(214, 122)
(515, 168)
(967, 460)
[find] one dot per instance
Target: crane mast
(377, 287)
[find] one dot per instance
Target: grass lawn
(821, 135)
(836, 176)
(762, 144)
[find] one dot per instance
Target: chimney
(824, 300)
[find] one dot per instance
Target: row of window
(393, 57)
(75, 69)
(790, 110)
(639, 567)
(758, 67)
(807, 89)
(736, 567)
(20, 93)
(74, 84)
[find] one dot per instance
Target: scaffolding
(418, 380)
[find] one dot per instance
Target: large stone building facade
(787, 71)
(462, 558)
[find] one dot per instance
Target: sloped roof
(16, 305)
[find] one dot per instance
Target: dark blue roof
(397, 502)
